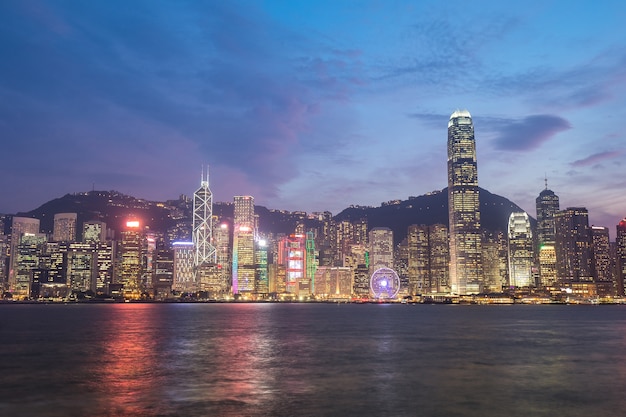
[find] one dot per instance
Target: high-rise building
(64, 227)
(620, 243)
(547, 205)
(81, 268)
(244, 232)
(94, 231)
(292, 254)
(223, 250)
(381, 248)
(574, 260)
(184, 277)
(261, 272)
(466, 274)
(602, 265)
(19, 227)
(520, 250)
(495, 250)
(130, 260)
(203, 224)
(427, 259)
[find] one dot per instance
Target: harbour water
(312, 360)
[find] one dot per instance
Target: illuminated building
(361, 281)
(466, 275)
(203, 224)
(495, 260)
(243, 245)
(223, 248)
(94, 231)
(520, 250)
(620, 242)
(381, 248)
(184, 277)
(573, 245)
(292, 254)
(311, 260)
(334, 282)
(4, 247)
(261, 272)
(80, 267)
(163, 272)
(547, 205)
(27, 256)
(427, 258)
(547, 264)
(602, 265)
(130, 260)
(19, 227)
(64, 227)
(147, 265)
(104, 260)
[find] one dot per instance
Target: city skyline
(348, 99)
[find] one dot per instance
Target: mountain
(115, 208)
(429, 209)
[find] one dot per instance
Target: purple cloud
(596, 158)
(529, 133)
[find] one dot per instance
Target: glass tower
(203, 224)
(463, 206)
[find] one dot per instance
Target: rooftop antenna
(545, 175)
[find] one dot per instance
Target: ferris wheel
(384, 283)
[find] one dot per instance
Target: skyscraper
(244, 231)
(463, 206)
(602, 265)
(620, 241)
(130, 260)
(573, 245)
(203, 224)
(64, 227)
(381, 248)
(19, 227)
(547, 204)
(520, 250)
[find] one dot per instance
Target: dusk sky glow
(311, 105)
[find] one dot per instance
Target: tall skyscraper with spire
(203, 223)
(547, 205)
(463, 206)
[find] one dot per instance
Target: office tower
(27, 255)
(311, 260)
(148, 251)
(80, 270)
(360, 231)
(64, 227)
(223, 251)
(520, 250)
(334, 282)
(243, 245)
(130, 260)
(427, 259)
(104, 260)
(547, 205)
(203, 224)
(602, 265)
(19, 227)
(261, 271)
(463, 206)
(163, 272)
(620, 243)
(361, 281)
(94, 231)
(439, 258)
(573, 245)
(4, 247)
(292, 254)
(184, 277)
(495, 260)
(381, 248)
(547, 265)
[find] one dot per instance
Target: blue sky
(311, 105)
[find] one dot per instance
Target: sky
(311, 105)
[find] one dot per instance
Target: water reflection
(127, 373)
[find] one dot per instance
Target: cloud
(596, 158)
(529, 133)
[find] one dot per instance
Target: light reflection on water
(312, 360)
